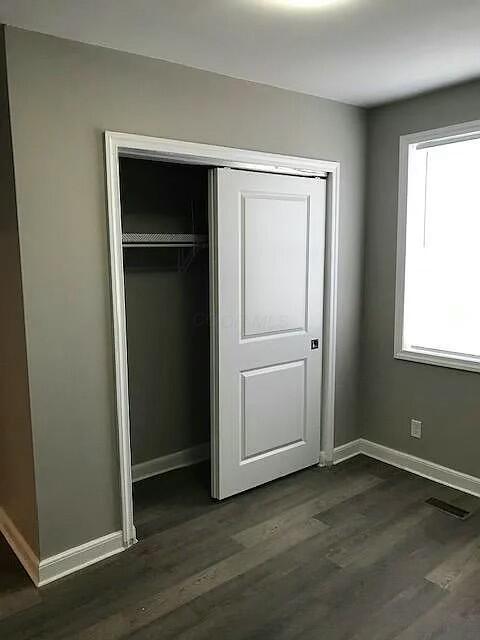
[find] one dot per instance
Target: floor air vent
(449, 508)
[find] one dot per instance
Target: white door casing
(138, 146)
(267, 252)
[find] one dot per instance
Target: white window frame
(433, 137)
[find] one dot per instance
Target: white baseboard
(419, 466)
(80, 557)
(346, 451)
(45, 571)
(19, 546)
(91, 552)
(172, 461)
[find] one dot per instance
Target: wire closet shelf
(164, 240)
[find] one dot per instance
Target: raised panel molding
(275, 290)
(277, 386)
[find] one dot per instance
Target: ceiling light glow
(306, 4)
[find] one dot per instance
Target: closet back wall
(166, 309)
(63, 96)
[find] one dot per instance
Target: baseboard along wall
(78, 558)
(42, 572)
(419, 466)
(72, 560)
(27, 557)
(176, 460)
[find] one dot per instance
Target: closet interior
(166, 272)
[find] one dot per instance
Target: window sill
(433, 358)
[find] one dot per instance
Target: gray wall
(167, 310)
(63, 96)
(393, 391)
(168, 359)
(17, 484)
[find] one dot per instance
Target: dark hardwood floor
(348, 553)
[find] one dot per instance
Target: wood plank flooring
(350, 553)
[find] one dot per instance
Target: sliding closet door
(267, 258)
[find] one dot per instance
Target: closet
(166, 272)
(223, 277)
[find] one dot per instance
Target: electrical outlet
(416, 428)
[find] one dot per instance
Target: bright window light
(440, 253)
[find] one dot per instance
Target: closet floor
(348, 553)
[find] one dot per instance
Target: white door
(267, 260)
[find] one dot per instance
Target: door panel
(273, 409)
(274, 226)
(267, 251)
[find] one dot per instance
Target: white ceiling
(358, 51)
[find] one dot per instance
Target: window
(438, 251)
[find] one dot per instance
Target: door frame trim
(138, 146)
